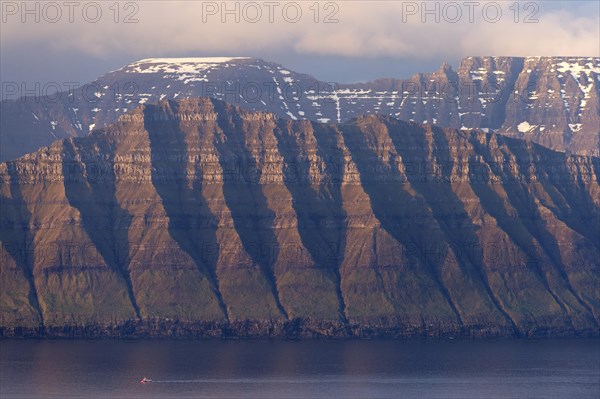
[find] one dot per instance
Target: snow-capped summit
(179, 65)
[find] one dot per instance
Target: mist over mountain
(196, 217)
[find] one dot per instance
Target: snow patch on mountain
(179, 65)
(582, 71)
(525, 127)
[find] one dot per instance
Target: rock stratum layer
(200, 216)
(552, 101)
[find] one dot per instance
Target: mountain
(552, 101)
(195, 217)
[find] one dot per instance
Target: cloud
(364, 29)
(392, 31)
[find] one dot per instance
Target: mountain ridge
(248, 223)
(550, 100)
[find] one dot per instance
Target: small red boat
(145, 380)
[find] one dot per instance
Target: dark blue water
(262, 369)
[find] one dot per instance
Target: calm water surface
(262, 369)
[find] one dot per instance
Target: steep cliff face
(198, 211)
(556, 104)
(549, 100)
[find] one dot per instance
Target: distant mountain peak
(445, 66)
(553, 101)
(188, 60)
(183, 65)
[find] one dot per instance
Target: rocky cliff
(549, 100)
(199, 213)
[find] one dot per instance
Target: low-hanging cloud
(336, 41)
(363, 29)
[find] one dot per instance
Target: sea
(262, 369)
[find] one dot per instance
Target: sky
(342, 41)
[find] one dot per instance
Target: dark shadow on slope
(252, 217)
(394, 194)
(20, 245)
(507, 88)
(204, 232)
(515, 227)
(521, 197)
(327, 146)
(91, 189)
(310, 205)
(169, 150)
(582, 215)
(451, 216)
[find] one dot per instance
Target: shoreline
(290, 330)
